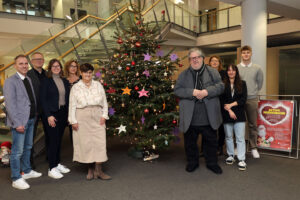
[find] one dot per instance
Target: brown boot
(90, 174)
(98, 173)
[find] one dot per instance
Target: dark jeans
(54, 137)
(221, 138)
(210, 145)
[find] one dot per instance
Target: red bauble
(138, 22)
(136, 88)
(126, 54)
(132, 63)
(105, 84)
(103, 69)
(146, 111)
(113, 72)
(138, 44)
(120, 41)
(141, 34)
(163, 12)
(158, 46)
(127, 68)
(161, 119)
(174, 121)
(180, 65)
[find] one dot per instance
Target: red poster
(275, 124)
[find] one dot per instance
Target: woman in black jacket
(233, 110)
(54, 97)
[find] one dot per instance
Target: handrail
(65, 30)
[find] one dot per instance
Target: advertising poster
(275, 124)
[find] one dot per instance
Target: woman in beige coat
(88, 112)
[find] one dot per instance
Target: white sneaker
(63, 169)
(255, 153)
(20, 184)
(31, 174)
(230, 160)
(242, 165)
(54, 173)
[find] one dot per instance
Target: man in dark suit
(20, 102)
(36, 74)
(198, 88)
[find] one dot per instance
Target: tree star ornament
(121, 129)
(147, 57)
(98, 74)
(143, 93)
(126, 90)
(173, 57)
(155, 127)
(111, 111)
(119, 67)
(143, 119)
(165, 74)
(147, 73)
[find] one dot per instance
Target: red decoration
(158, 46)
(126, 54)
(163, 12)
(146, 111)
(136, 88)
(161, 119)
(180, 65)
(174, 121)
(138, 44)
(113, 72)
(127, 68)
(120, 41)
(105, 84)
(141, 34)
(138, 22)
(111, 90)
(132, 63)
(103, 69)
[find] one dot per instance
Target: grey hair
(200, 53)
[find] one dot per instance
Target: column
(254, 32)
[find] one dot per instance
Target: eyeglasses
(73, 66)
(195, 58)
(55, 66)
(38, 59)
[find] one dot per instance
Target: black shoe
(191, 167)
(215, 168)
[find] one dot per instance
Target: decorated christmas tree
(139, 86)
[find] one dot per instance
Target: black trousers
(39, 117)
(221, 138)
(54, 137)
(209, 141)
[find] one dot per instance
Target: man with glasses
(36, 74)
(198, 88)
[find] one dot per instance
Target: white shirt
(82, 96)
(243, 65)
(21, 76)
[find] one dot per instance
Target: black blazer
(238, 110)
(49, 96)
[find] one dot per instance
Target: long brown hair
(49, 72)
(67, 67)
(238, 85)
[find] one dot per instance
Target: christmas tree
(139, 86)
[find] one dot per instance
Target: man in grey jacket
(20, 102)
(253, 75)
(198, 88)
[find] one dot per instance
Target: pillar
(254, 32)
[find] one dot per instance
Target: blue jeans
(20, 150)
(239, 130)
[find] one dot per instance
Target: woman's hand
(51, 121)
(75, 127)
(232, 115)
(102, 121)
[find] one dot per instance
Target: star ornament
(98, 74)
(143, 93)
(143, 119)
(173, 57)
(147, 57)
(111, 111)
(146, 73)
(126, 91)
(121, 129)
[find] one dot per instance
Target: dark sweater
(239, 110)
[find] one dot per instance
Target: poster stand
(294, 153)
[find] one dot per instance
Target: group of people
(211, 99)
(57, 100)
(217, 102)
